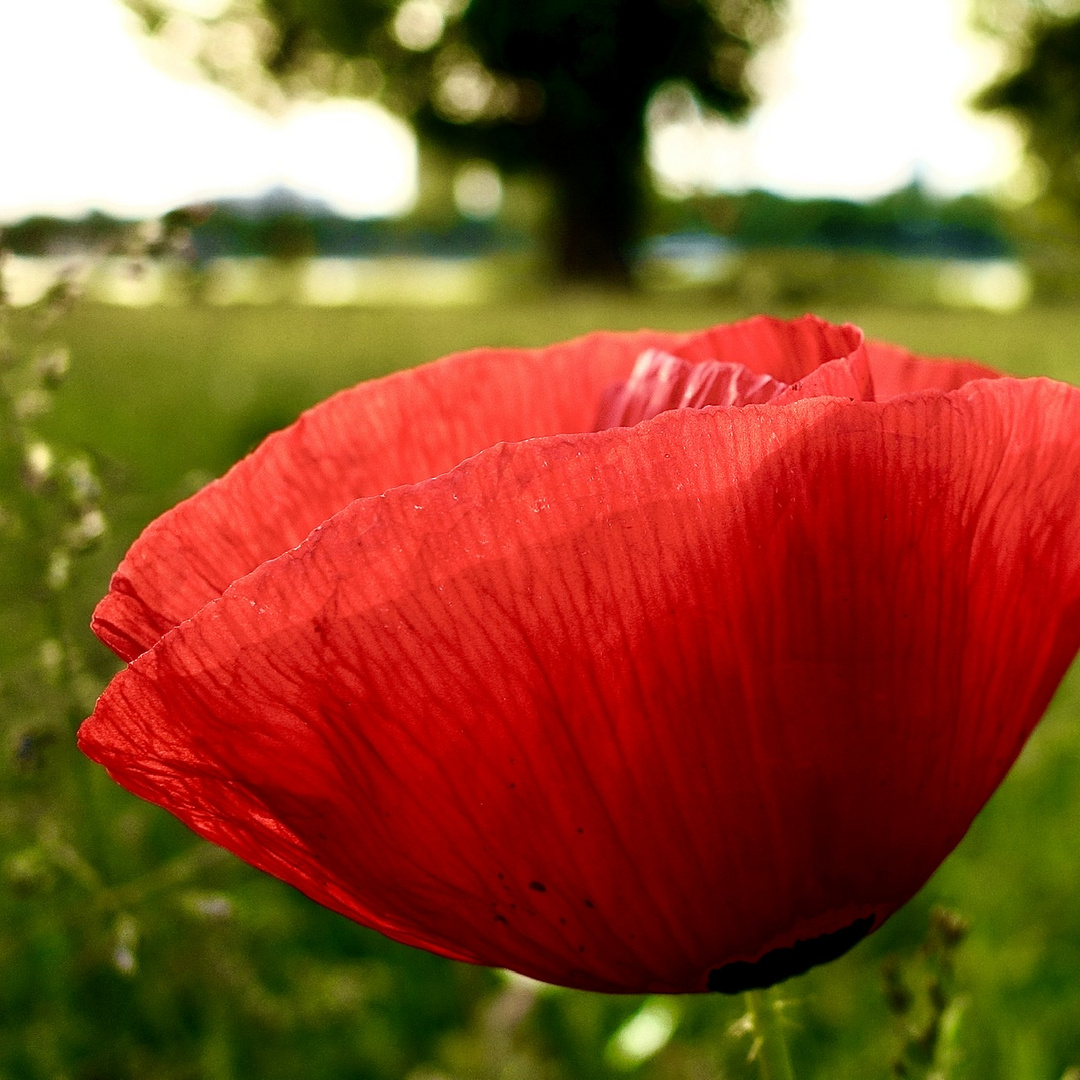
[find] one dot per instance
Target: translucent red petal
(618, 709)
(400, 430)
(896, 371)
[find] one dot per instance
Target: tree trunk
(598, 202)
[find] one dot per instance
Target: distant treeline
(41, 235)
(909, 222)
(292, 234)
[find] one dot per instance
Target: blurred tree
(554, 87)
(1041, 90)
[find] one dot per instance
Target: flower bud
(31, 404)
(38, 461)
(58, 571)
(50, 656)
(86, 531)
(125, 942)
(52, 366)
(83, 483)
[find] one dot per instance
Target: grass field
(232, 975)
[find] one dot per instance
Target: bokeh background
(217, 212)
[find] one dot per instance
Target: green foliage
(909, 221)
(924, 1002)
(130, 950)
(41, 235)
(1041, 91)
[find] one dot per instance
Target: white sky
(87, 120)
(861, 96)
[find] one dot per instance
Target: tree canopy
(558, 88)
(1042, 92)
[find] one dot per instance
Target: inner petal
(661, 381)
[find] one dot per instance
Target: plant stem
(769, 1043)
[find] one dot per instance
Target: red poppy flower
(690, 702)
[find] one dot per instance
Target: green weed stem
(770, 1046)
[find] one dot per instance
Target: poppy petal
(847, 377)
(380, 434)
(400, 430)
(622, 710)
(896, 371)
(660, 382)
(786, 349)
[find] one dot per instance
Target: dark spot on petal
(511, 786)
(537, 886)
(580, 831)
(589, 904)
(502, 877)
(562, 921)
(503, 919)
(581, 948)
(780, 964)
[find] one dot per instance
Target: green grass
(170, 391)
(165, 398)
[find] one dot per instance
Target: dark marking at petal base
(503, 919)
(781, 964)
(589, 904)
(537, 886)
